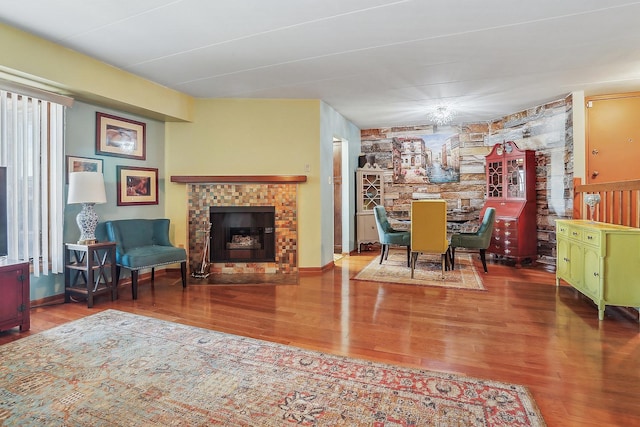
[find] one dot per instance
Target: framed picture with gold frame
(137, 186)
(119, 137)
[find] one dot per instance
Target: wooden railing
(619, 202)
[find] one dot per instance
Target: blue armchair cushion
(149, 256)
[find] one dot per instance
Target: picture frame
(83, 164)
(120, 137)
(137, 185)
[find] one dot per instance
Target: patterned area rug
(120, 369)
(428, 271)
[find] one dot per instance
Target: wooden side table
(90, 270)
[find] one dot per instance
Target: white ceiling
(377, 62)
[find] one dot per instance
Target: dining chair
(429, 231)
(390, 236)
(479, 240)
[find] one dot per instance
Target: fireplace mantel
(202, 179)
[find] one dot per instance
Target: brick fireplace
(276, 191)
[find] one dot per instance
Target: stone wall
(547, 129)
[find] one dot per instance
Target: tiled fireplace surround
(283, 196)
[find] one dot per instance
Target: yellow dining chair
(429, 231)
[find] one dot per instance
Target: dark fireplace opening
(242, 233)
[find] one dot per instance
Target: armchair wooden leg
(483, 259)
(183, 273)
(153, 274)
(382, 252)
(408, 256)
(134, 284)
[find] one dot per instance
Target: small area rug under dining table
(428, 271)
(119, 369)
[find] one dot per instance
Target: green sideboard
(600, 260)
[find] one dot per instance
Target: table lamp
(86, 188)
(592, 200)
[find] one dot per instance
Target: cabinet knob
(596, 274)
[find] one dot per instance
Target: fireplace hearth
(242, 233)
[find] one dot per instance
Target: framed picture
(120, 137)
(137, 186)
(83, 164)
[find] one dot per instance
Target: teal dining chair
(390, 236)
(479, 240)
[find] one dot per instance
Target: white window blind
(32, 148)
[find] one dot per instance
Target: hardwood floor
(522, 329)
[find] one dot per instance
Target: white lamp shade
(86, 187)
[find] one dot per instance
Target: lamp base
(87, 220)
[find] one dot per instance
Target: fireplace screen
(242, 233)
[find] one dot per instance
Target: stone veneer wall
(547, 129)
(282, 196)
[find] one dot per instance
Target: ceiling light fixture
(443, 114)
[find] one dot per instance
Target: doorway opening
(337, 197)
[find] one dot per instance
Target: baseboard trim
(316, 270)
(123, 283)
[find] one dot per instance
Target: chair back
(486, 228)
(382, 223)
(429, 226)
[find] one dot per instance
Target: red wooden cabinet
(14, 295)
(511, 179)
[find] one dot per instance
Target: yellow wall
(233, 137)
(249, 137)
(25, 56)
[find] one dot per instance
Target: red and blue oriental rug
(119, 369)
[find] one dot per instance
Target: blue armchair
(144, 243)
(389, 236)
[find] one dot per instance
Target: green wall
(80, 137)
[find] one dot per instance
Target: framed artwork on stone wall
(426, 159)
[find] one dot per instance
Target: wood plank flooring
(522, 329)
